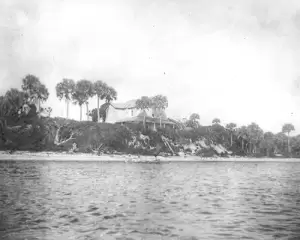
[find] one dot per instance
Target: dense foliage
(22, 126)
(99, 113)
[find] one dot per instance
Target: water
(94, 200)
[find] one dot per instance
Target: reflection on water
(94, 200)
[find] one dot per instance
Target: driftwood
(57, 141)
(98, 151)
(165, 140)
(146, 139)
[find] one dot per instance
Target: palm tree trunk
(87, 111)
(80, 112)
(248, 147)
(242, 144)
(231, 140)
(39, 105)
(288, 141)
(145, 121)
(160, 121)
(98, 110)
(67, 102)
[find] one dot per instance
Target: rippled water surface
(94, 200)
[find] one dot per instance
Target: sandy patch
(64, 156)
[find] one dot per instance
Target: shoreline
(82, 157)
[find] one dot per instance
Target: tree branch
(57, 142)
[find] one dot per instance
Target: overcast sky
(232, 59)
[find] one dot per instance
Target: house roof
(127, 105)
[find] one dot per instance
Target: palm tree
(193, 121)
(280, 141)
(43, 95)
(2, 105)
(255, 134)
(231, 127)
(268, 142)
(30, 86)
(159, 102)
(242, 134)
(194, 118)
(81, 94)
(35, 89)
(100, 89)
(85, 87)
(64, 90)
(287, 128)
(143, 103)
(110, 94)
(216, 121)
(295, 144)
(90, 93)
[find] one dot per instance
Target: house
(151, 122)
(117, 111)
(127, 112)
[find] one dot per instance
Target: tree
(287, 128)
(193, 121)
(47, 111)
(295, 145)
(86, 88)
(90, 93)
(219, 133)
(268, 142)
(110, 94)
(94, 114)
(159, 102)
(144, 103)
(18, 113)
(12, 102)
(231, 127)
(216, 121)
(194, 117)
(100, 89)
(81, 94)
(64, 90)
(102, 115)
(255, 134)
(2, 105)
(35, 89)
(280, 141)
(242, 135)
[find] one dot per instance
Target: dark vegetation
(23, 127)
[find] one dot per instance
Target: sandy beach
(65, 156)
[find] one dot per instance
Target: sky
(235, 60)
